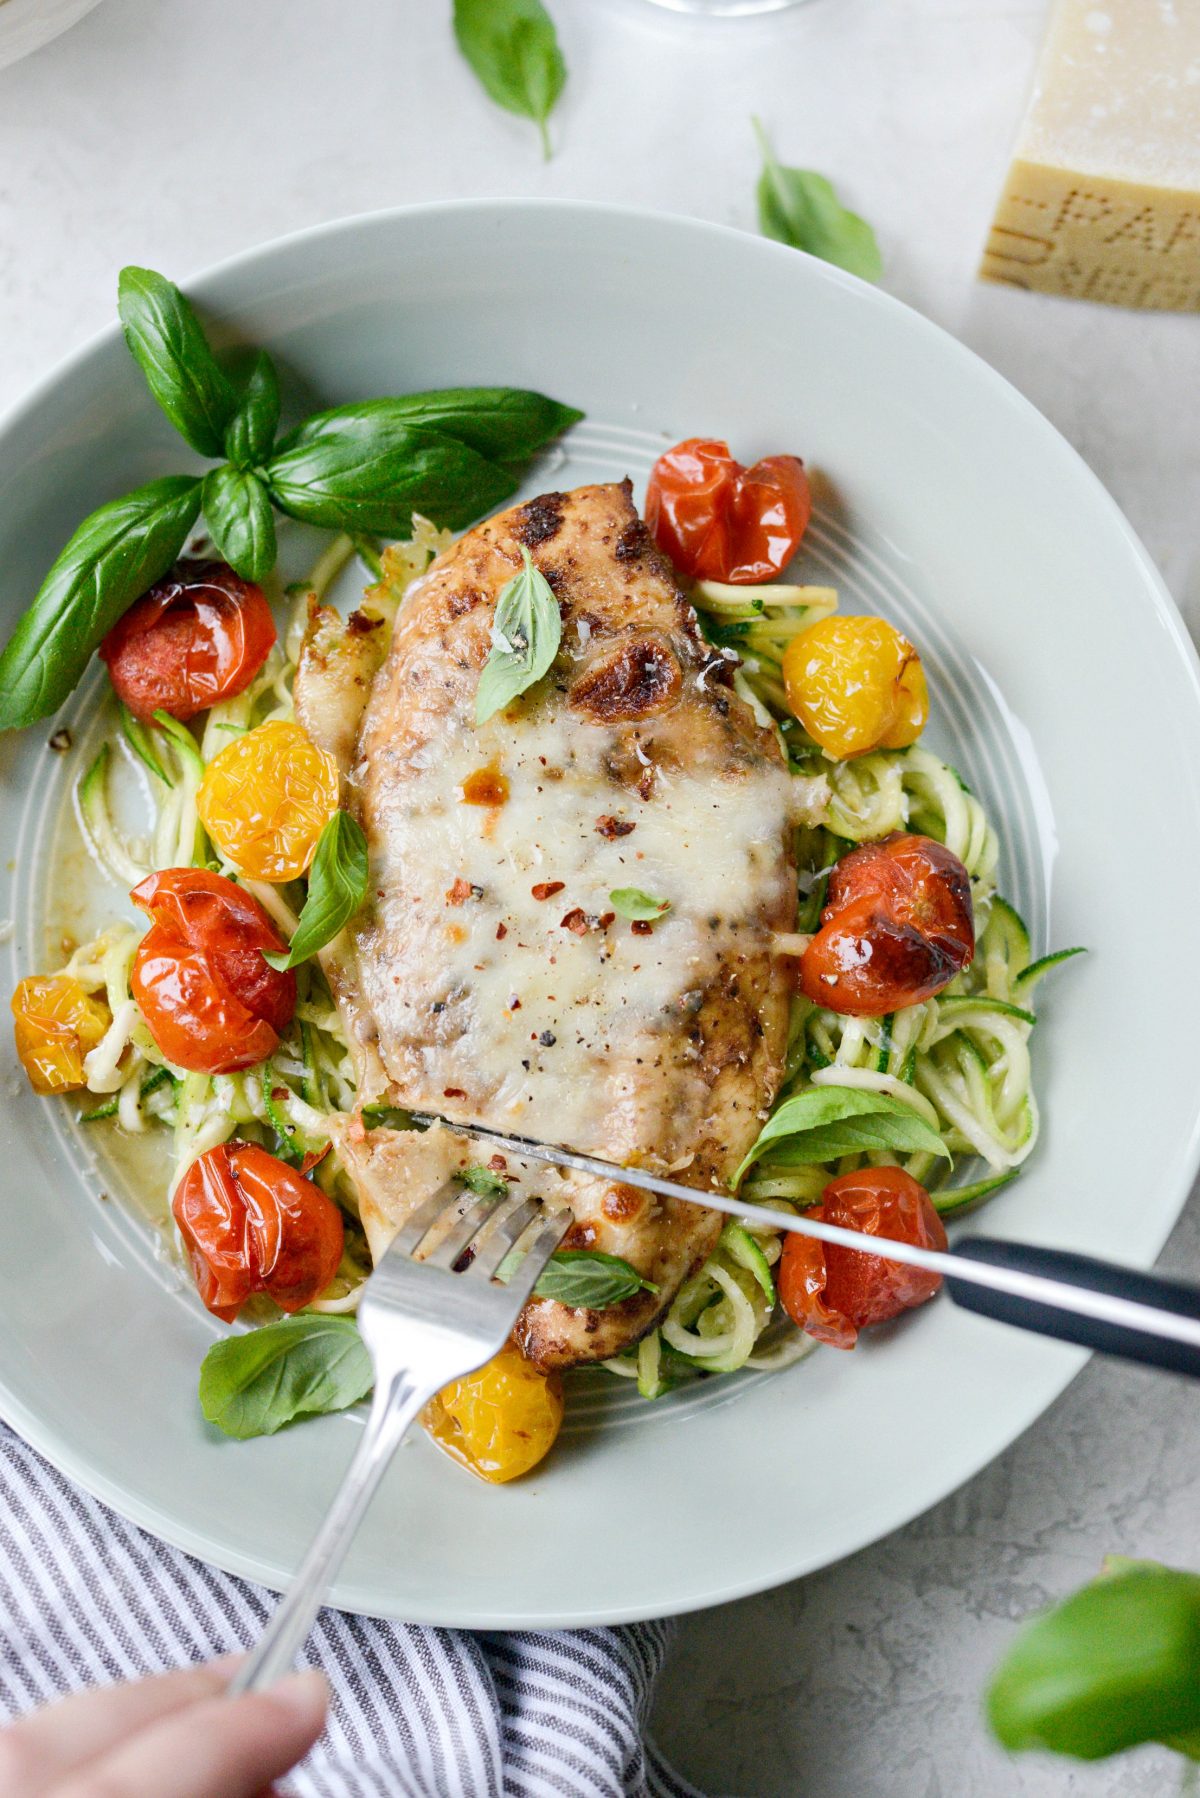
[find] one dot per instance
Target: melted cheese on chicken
(492, 978)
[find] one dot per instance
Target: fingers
(219, 1748)
(43, 1747)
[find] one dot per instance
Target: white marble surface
(175, 133)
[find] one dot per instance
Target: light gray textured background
(176, 132)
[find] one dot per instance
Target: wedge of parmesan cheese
(1102, 201)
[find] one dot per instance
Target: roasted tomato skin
(198, 636)
(832, 1292)
(252, 1224)
(266, 798)
(500, 1420)
(210, 1000)
(719, 521)
(897, 927)
(55, 1023)
(856, 685)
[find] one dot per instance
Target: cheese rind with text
(1102, 201)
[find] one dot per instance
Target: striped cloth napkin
(417, 1713)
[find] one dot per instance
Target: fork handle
(392, 1411)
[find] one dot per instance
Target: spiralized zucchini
(960, 1060)
(283, 1103)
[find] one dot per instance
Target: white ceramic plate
(1065, 689)
(26, 25)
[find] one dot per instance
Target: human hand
(174, 1736)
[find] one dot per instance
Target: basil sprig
(799, 207)
(252, 1385)
(109, 562)
(238, 510)
(828, 1121)
(512, 47)
(589, 1280)
(526, 634)
(450, 455)
(1114, 1665)
(250, 432)
(337, 886)
(631, 902)
(167, 342)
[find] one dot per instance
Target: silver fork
(425, 1324)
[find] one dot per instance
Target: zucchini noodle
(960, 1061)
(284, 1103)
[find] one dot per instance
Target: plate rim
(352, 1596)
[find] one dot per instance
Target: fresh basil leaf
(589, 1280)
(800, 207)
(631, 902)
(337, 886)
(450, 455)
(168, 343)
(250, 433)
(512, 47)
(526, 633)
(486, 1183)
(1110, 1667)
(825, 1122)
(505, 424)
(252, 1385)
(110, 561)
(237, 510)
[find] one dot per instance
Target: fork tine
(504, 1228)
(413, 1232)
(460, 1235)
(547, 1238)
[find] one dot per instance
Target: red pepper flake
(605, 919)
(279, 1094)
(614, 827)
(546, 889)
(314, 1158)
(498, 1165)
(459, 893)
(501, 932)
(514, 1004)
(453, 1092)
(641, 927)
(575, 921)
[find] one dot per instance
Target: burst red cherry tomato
(210, 1001)
(199, 635)
(833, 1292)
(252, 1224)
(719, 521)
(898, 925)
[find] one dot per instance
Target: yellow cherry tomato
(500, 1420)
(56, 1021)
(266, 799)
(856, 684)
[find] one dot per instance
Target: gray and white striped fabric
(417, 1713)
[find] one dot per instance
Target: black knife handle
(1096, 1276)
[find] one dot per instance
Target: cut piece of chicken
(497, 977)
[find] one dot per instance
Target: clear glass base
(726, 9)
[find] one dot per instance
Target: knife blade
(1075, 1298)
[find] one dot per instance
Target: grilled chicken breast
(491, 976)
